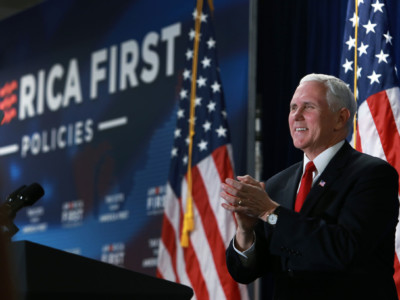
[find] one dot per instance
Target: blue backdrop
(89, 92)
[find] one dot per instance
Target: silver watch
(273, 218)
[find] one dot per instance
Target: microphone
(21, 197)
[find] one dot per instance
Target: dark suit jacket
(341, 244)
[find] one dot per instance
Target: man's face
(311, 122)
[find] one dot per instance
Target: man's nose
(298, 114)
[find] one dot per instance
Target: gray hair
(338, 94)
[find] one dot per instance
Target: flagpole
(254, 140)
(355, 74)
(188, 220)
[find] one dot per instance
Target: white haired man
(324, 227)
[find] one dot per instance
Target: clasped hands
(247, 198)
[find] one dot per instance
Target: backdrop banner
(90, 92)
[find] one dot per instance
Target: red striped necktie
(305, 186)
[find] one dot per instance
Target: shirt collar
(323, 159)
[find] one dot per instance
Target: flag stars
(216, 87)
(177, 133)
(359, 69)
(197, 101)
(192, 120)
(201, 81)
(355, 19)
(211, 106)
(207, 126)
(211, 43)
(221, 131)
(351, 42)
(370, 27)
(174, 152)
(189, 54)
(388, 37)
(194, 14)
(347, 66)
(203, 18)
(374, 77)
(194, 35)
(180, 113)
(382, 57)
(202, 145)
(206, 62)
(186, 74)
(378, 6)
(183, 94)
(362, 49)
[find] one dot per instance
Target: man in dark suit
(338, 243)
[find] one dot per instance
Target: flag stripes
(378, 95)
(368, 132)
(201, 158)
(206, 257)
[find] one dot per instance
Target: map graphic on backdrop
(89, 93)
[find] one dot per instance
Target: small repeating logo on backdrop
(113, 210)
(153, 245)
(155, 200)
(72, 213)
(35, 215)
(113, 253)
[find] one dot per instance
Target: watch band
(277, 210)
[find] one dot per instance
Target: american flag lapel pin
(322, 183)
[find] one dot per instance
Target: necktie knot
(305, 185)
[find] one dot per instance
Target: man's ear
(343, 116)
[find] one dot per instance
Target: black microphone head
(32, 193)
(14, 194)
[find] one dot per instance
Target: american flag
(200, 262)
(378, 95)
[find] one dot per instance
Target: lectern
(43, 272)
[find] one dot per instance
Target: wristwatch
(273, 218)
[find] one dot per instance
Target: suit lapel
(327, 178)
(291, 187)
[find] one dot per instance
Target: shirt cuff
(246, 254)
